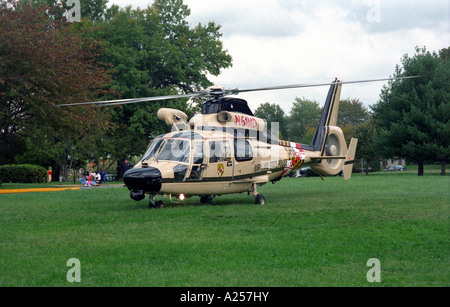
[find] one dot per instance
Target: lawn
(310, 233)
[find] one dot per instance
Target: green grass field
(310, 233)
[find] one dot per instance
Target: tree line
(112, 53)
(301, 122)
(410, 119)
(127, 53)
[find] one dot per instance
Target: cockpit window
(219, 150)
(242, 150)
(177, 150)
(198, 153)
(152, 149)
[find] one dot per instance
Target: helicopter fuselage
(226, 149)
(211, 163)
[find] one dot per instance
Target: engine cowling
(334, 146)
(172, 116)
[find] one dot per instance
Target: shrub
(24, 173)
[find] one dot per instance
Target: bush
(24, 173)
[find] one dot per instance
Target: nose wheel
(152, 204)
(160, 205)
(260, 200)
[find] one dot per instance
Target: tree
(413, 114)
(352, 113)
(93, 9)
(304, 114)
(273, 113)
(43, 64)
(366, 133)
(153, 52)
(444, 54)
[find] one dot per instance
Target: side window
(198, 153)
(242, 150)
(219, 150)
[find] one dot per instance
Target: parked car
(395, 168)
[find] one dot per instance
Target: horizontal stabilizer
(329, 157)
(350, 159)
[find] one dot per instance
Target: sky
(283, 42)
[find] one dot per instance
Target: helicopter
(226, 149)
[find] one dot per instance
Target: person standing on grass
(122, 168)
(126, 165)
(102, 176)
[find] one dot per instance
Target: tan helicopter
(226, 149)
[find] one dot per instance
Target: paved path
(10, 191)
(59, 188)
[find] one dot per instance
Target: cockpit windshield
(152, 149)
(177, 150)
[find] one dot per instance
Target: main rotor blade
(157, 98)
(281, 87)
(128, 101)
(224, 92)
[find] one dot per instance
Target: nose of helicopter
(143, 179)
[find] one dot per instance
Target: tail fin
(328, 118)
(350, 158)
(329, 139)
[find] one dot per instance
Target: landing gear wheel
(152, 204)
(260, 200)
(160, 204)
(206, 199)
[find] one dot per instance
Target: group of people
(95, 178)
